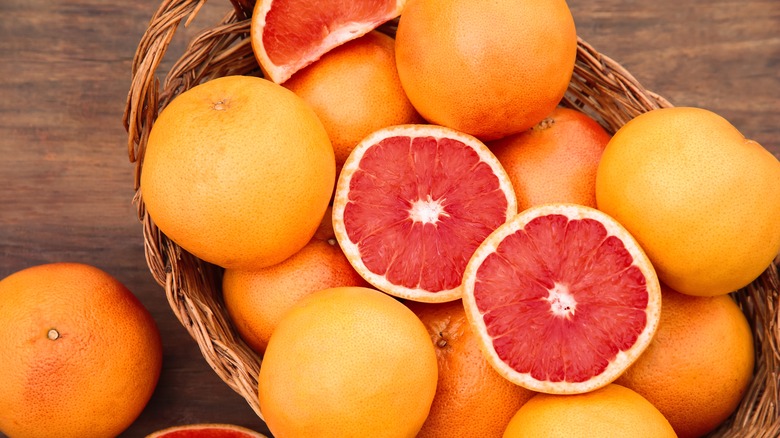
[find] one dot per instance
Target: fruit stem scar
(53, 334)
(544, 124)
(220, 105)
(562, 303)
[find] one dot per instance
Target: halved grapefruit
(413, 202)
(206, 430)
(287, 35)
(563, 299)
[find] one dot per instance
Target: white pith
(427, 211)
(622, 360)
(334, 38)
(562, 302)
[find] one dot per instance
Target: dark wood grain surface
(66, 184)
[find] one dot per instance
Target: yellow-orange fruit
(472, 400)
(238, 171)
(257, 300)
(355, 90)
(701, 199)
(699, 364)
(488, 69)
(80, 354)
(347, 362)
(608, 412)
(554, 161)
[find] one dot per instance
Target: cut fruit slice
(206, 430)
(287, 35)
(562, 298)
(413, 202)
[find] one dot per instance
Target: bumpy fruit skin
(554, 161)
(238, 171)
(489, 69)
(699, 365)
(80, 354)
(256, 300)
(347, 362)
(355, 90)
(472, 400)
(608, 412)
(702, 200)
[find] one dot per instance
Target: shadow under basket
(599, 87)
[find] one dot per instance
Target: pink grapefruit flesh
(412, 204)
(209, 430)
(288, 35)
(563, 299)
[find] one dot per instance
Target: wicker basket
(599, 87)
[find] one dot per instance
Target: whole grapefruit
(81, 354)
(699, 365)
(488, 69)
(472, 400)
(701, 199)
(612, 411)
(555, 160)
(348, 362)
(256, 300)
(238, 171)
(355, 90)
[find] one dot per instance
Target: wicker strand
(600, 87)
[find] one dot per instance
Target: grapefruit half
(413, 202)
(562, 299)
(206, 430)
(287, 35)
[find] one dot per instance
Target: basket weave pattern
(599, 87)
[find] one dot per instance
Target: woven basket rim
(600, 87)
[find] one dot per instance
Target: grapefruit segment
(562, 297)
(413, 202)
(287, 35)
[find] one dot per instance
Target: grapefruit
(554, 161)
(287, 35)
(239, 172)
(355, 90)
(699, 365)
(702, 200)
(413, 202)
(256, 300)
(612, 411)
(489, 69)
(206, 430)
(472, 400)
(562, 299)
(347, 362)
(81, 354)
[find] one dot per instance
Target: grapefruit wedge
(287, 35)
(562, 298)
(206, 430)
(413, 202)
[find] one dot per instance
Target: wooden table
(66, 183)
